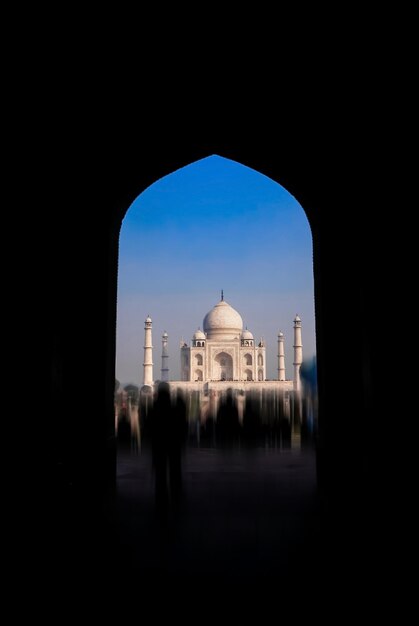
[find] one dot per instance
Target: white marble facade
(224, 355)
(223, 351)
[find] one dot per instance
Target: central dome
(223, 322)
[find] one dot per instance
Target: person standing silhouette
(177, 437)
(160, 434)
(228, 426)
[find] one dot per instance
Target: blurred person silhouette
(308, 373)
(252, 426)
(228, 426)
(285, 429)
(178, 428)
(124, 429)
(159, 423)
(208, 431)
(145, 415)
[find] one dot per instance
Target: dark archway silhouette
(292, 161)
(92, 193)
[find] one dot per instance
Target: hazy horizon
(214, 224)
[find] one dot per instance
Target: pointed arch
(222, 367)
(248, 359)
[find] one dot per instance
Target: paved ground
(244, 514)
(252, 517)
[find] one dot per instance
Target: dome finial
(222, 294)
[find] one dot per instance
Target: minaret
(298, 353)
(164, 359)
(281, 357)
(148, 353)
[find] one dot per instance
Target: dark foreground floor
(247, 517)
(242, 514)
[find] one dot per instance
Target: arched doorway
(130, 176)
(222, 368)
(248, 359)
(216, 246)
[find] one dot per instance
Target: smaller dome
(148, 319)
(247, 334)
(297, 318)
(199, 335)
(280, 334)
(165, 335)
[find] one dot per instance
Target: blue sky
(212, 225)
